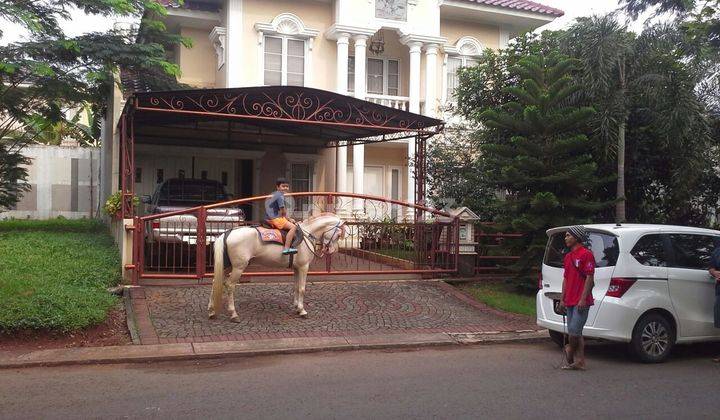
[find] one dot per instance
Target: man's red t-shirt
(579, 263)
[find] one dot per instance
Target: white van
(652, 286)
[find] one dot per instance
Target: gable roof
(522, 5)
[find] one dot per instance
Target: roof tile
(524, 5)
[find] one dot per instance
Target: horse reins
(309, 236)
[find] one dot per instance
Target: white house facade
(403, 54)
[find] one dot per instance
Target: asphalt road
(494, 381)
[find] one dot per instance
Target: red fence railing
(382, 237)
(492, 259)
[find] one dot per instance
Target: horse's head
(328, 229)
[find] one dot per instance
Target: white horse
(244, 245)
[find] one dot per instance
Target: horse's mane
(321, 215)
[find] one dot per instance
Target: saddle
(269, 235)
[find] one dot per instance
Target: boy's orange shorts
(278, 222)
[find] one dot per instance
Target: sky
(82, 23)
(577, 8)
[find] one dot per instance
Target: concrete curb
(228, 349)
(130, 315)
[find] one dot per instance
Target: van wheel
(652, 339)
(557, 338)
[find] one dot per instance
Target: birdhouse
(468, 218)
(466, 238)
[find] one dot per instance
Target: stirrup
(288, 251)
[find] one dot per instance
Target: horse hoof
(235, 319)
(211, 315)
(303, 313)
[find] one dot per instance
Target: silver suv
(180, 194)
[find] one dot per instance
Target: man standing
(578, 282)
(276, 214)
(715, 272)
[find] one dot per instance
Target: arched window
(465, 53)
(284, 47)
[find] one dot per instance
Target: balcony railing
(397, 102)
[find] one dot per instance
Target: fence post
(200, 243)
(139, 244)
(136, 250)
(329, 205)
(456, 224)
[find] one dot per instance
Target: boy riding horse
(276, 214)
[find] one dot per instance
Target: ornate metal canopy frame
(327, 117)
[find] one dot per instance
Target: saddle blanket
(273, 236)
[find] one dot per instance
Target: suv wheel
(653, 338)
(557, 337)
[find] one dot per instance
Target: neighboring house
(400, 53)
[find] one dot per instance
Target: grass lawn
(54, 274)
(502, 296)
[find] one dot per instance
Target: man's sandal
(572, 367)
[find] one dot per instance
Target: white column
(342, 63)
(415, 49)
(360, 59)
(360, 91)
(233, 47)
(431, 52)
(341, 87)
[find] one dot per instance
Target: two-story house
(403, 54)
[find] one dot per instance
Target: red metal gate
(385, 237)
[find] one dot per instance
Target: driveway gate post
(200, 243)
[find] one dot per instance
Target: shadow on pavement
(618, 352)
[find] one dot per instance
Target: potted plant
(113, 205)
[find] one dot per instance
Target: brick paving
(179, 314)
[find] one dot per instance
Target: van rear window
(603, 246)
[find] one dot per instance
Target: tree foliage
(50, 73)
(653, 83)
(455, 173)
(698, 19)
(539, 153)
(669, 106)
(12, 176)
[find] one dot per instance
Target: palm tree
(81, 125)
(606, 50)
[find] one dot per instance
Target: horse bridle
(339, 226)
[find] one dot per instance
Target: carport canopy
(292, 116)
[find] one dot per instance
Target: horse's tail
(218, 272)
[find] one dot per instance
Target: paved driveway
(179, 314)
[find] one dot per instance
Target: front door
(374, 185)
(244, 184)
(692, 289)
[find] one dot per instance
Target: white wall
(63, 181)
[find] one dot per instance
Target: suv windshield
(603, 246)
(188, 192)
